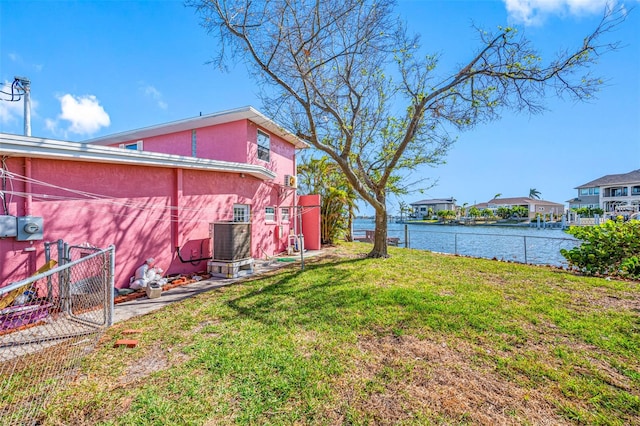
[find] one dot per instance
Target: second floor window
(134, 146)
(590, 191)
(264, 146)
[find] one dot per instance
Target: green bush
(589, 211)
(446, 214)
(612, 248)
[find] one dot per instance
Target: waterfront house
(153, 192)
(534, 206)
(421, 208)
(615, 194)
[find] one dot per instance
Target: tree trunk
(380, 234)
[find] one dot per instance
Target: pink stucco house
(153, 192)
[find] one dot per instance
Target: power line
(17, 90)
(100, 203)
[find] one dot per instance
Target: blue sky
(101, 67)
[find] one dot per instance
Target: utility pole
(25, 84)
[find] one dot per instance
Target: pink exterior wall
(173, 143)
(225, 142)
(149, 211)
(281, 152)
(131, 216)
(138, 214)
(235, 142)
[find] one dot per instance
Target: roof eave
(24, 146)
(244, 113)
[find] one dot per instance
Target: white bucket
(153, 292)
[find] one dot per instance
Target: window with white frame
(264, 146)
(270, 214)
(241, 213)
(284, 214)
(134, 146)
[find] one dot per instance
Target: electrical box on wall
(30, 228)
(8, 226)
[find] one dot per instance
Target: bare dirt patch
(154, 360)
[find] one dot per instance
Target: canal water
(510, 243)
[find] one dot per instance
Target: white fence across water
(48, 323)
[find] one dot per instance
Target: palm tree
(463, 210)
(338, 199)
(498, 195)
(403, 209)
(534, 193)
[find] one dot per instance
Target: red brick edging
(178, 282)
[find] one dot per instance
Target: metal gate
(48, 323)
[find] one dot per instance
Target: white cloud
(10, 111)
(84, 113)
(153, 93)
(534, 12)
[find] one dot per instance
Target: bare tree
(346, 77)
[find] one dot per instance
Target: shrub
(589, 211)
(446, 214)
(612, 248)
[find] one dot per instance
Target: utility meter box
(30, 228)
(8, 226)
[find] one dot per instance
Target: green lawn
(418, 338)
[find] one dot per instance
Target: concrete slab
(144, 305)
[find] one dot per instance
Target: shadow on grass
(359, 294)
(320, 293)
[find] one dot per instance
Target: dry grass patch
(402, 379)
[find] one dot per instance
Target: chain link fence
(532, 246)
(48, 323)
(536, 250)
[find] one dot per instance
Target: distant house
(619, 193)
(421, 208)
(533, 205)
(153, 192)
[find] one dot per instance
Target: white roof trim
(26, 146)
(245, 113)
